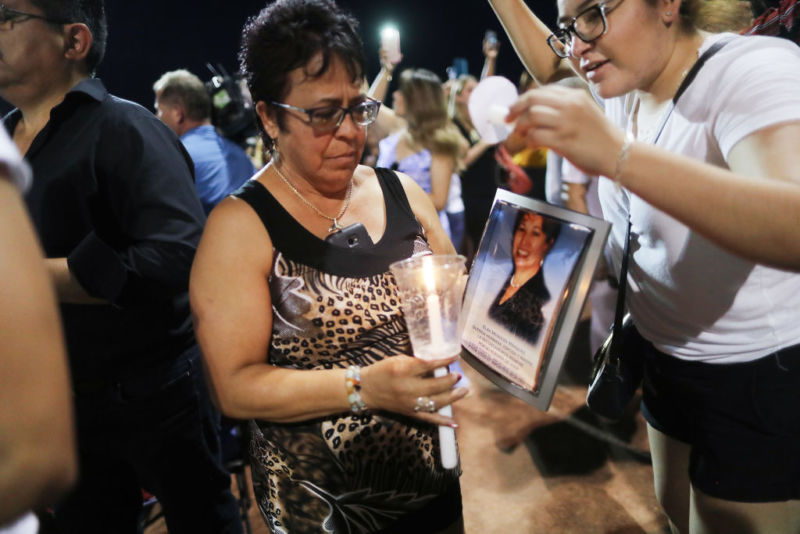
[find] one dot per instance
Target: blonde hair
(426, 114)
(713, 15)
(724, 15)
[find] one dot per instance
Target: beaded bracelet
(352, 384)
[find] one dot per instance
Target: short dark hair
(551, 227)
(89, 12)
(181, 86)
(285, 36)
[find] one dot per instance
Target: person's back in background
(220, 165)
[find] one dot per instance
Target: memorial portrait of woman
(519, 303)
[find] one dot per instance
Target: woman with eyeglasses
(711, 185)
(295, 309)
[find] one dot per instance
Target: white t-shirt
(689, 297)
(27, 524)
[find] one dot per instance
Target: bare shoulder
(234, 235)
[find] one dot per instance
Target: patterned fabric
(347, 473)
(782, 20)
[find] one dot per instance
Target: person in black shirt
(114, 205)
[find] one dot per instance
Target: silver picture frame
(520, 342)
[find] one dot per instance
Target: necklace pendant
(335, 227)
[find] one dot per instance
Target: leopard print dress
(332, 308)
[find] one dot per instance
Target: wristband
(352, 384)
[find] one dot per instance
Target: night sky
(148, 38)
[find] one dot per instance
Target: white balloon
(488, 108)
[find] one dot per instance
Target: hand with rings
(425, 404)
(406, 385)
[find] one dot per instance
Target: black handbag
(618, 364)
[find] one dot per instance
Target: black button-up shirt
(113, 192)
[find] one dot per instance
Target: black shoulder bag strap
(623, 274)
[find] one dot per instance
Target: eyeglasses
(588, 25)
(9, 16)
(329, 118)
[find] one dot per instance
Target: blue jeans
(155, 431)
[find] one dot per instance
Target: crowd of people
(155, 276)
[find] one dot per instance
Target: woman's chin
(609, 88)
(526, 264)
(603, 90)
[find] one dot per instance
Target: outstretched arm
(528, 35)
(490, 51)
(388, 121)
(380, 85)
(751, 209)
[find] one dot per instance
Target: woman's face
(631, 53)
(530, 244)
(326, 160)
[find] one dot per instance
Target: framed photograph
(526, 290)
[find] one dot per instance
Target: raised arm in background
(528, 35)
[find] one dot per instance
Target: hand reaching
(395, 384)
(571, 123)
(491, 47)
(386, 63)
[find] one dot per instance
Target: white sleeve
(16, 169)
(759, 88)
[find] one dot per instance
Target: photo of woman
(519, 303)
(525, 281)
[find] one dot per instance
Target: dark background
(148, 38)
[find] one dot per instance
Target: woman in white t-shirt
(712, 188)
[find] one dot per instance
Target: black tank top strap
(397, 207)
(298, 244)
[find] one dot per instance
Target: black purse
(618, 364)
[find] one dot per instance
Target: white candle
(447, 435)
(390, 42)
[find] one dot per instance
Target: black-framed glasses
(588, 25)
(329, 118)
(10, 16)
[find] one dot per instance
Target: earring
(275, 151)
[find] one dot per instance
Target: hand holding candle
(431, 288)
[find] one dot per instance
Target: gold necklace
(335, 227)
